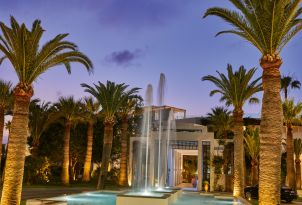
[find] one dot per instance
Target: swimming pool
(104, 198)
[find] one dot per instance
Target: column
(212, 174)
(199, 165)
(130, 161)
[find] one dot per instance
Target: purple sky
(133, 41)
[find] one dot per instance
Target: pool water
(90, 198)
(104, 198)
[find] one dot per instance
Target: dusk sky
(133, 41)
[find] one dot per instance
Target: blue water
(103, 198)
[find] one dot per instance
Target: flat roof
(168, 107)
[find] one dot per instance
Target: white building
(187, 138)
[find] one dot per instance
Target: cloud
(123, 14)
(139, 13)
(124, 58)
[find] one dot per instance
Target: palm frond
(111, 97)
(291, 111)
(268, 25)
(6, 95)
(237, 87)
(20, 46)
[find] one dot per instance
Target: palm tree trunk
(1, 135)
(34, 150)
(254, 172)
(298, 174)
(107, 145)
(87, 164)
(285, 93)
(124, 143)
(65, 168)
(238, 153)
(270, 135)
(290, 169)
(14, 168)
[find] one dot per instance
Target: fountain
(150, 183)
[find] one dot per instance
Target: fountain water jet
(147, 126)
(161, 95)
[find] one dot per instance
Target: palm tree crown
(252, 142)
(236, 88)
(288, 82)
(69, 109)
(111, 96)
(291, 112)
(39, 119)
(21, 47)
(268, 25)
(5, 95)
(221, 121)
(91, 109)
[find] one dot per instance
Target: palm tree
(5, 105)
(291, 112)
(128, 108)
(111, 96)
(252, 148)
(70, 110)
(91, 110)
(39, 119)
(288, 82)
(221, 121)
(268, 25)
(298, 152)
(21, 47)
(236, 89)
(8, 126)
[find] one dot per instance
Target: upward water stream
(147, 126)
(152, 150)
(161, 95)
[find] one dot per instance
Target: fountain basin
(175, 193)
(158, 197)
(122, 199)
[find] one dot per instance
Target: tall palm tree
(70, 110)
(268, 25)
(252, 148)
(236, 89)
(91, 110)
(298, 152)
(288, 82)
(128, 108)
(21, 47)
(111, 96)
(39, 119)
(5, 105)
(291, 112)
(221, 121)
